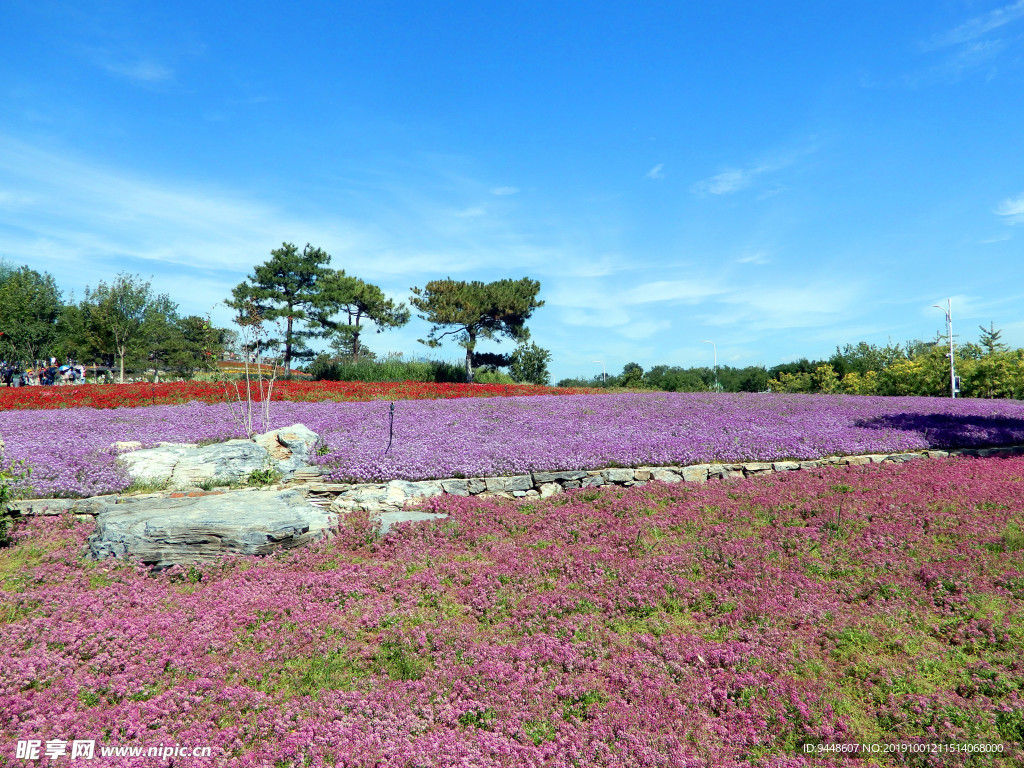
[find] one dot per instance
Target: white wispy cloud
(808, 305)
(644, 329)
(84, 221)
(675, 291)
(972, 307)
(603, 317)
(501, 191)
(128, 65)
(734, 179)
(753, 258)
(140, 71)
(627, 314)
(999, 239)
(657, 172)
(978, 26)
(1012, 210)
(968, 59)
(968, 49)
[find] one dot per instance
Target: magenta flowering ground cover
(731, 624)
(69, 450)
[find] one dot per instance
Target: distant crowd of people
(13, 375)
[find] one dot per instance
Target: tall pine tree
(287, 288)
(989, 339)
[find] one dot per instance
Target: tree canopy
(286, 287)
(529, 364)
(471, 311)
(122, 318)
(358, 301)
(30, 305)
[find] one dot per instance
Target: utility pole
(949, 331)
(604, 373)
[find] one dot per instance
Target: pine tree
(359, 301)
(476, 310)
(989, 339)
(287, 287)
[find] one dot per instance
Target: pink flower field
(732, 624)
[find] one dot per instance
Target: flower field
(138, 395)
(730, 624)
(69, 449)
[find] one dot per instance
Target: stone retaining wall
(400, 494)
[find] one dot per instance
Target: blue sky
(778, 178)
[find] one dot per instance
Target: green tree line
(282, 308)
(123, 323)
(127, 325)
(987, 368)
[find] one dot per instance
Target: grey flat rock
(551, 477)
(221, 464)
(285, 450)
(165, 532)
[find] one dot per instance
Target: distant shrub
(392, 368)
(492, 377)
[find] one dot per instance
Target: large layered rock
(285, 450)
(220, 464)
(171, 531)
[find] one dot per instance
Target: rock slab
(166, 532)
(285, 450)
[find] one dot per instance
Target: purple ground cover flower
(727, 625)
(70, 453)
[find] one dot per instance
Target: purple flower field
(70, 451)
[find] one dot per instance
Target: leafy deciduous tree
(529, 364)
(632, 376)
(30, 304)
(118, 315)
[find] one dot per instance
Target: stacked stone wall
(397, 495)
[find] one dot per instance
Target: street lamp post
(715, 350)
(949, 330)
(604, 373)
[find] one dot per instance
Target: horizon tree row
(988, 369)
(126, 324)
(123, 323)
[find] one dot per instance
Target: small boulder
(617, 475)
(182, 465)
(550, 489)
(291, 447)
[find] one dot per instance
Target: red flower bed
(134, 395)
